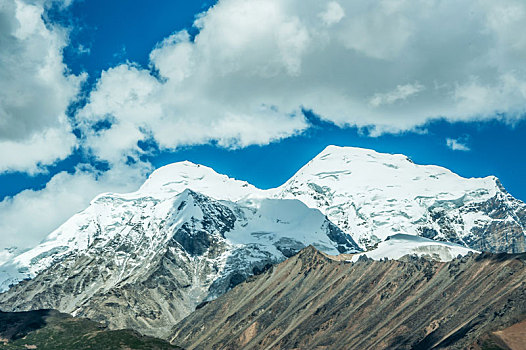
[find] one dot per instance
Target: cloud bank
(253, 68)
(254, 65)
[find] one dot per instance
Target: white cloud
(380, 30)
(30, 216)
(457, 145)
(41, 148)
(333, 14)
(401, 92)
(504, 95)
(252, 68)
(254, 65)
(35, 88)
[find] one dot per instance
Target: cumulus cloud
(401, 92)
(35, 88)
(254, 65)
(457, 145)
(333, 14)
(31, 154)
(206, 93)
(28, 217)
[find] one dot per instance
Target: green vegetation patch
(49, 329)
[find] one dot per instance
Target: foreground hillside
(49, 329)
(311, 301)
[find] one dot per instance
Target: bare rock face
(145, 263)
(506, 232)
(311, 301)
(500, 228)
(513, 337)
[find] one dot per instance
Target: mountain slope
(315, 302)
(49, 329)
(373, 195)
(144, 263)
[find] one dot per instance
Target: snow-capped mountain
(372, 195)
(145, 261)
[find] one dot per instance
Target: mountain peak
(337, 152)
(174, 178)
(356, 169)
(174, 172)
(190, 234)
(310, 257)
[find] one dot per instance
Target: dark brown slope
(313, 302)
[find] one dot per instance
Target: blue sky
(120, 30)
(254, 89)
